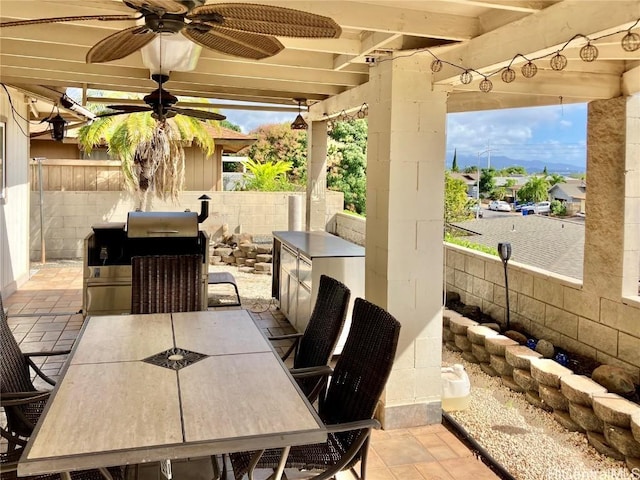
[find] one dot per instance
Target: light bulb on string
(508, 75)
(589, 52)
(485, 85)
(558, 62)
(529, 69)
(466, 78)
(436, 65)
(630, 42)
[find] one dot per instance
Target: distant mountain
(532, 166)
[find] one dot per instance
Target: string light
(588, 53)
(343, 116)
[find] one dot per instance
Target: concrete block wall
(68, 216)
(548, 305)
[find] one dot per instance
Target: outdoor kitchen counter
(319, 244)
(299, 259)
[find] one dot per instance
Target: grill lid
(162, 224)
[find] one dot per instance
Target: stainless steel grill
(108, 250)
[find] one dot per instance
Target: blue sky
(552, 134)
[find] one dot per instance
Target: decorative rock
(470, 357)
(523, 378)
(248, 247)
(615, 379)
(230, 259)
(516, 336)
(463, 343)
(585, 417)
(511, 384)
(548, 372)
(448, 335)
(215, 260)
(500, 365)
(497, 345)
(453, 347)
(489, 370)
(614, 410)
(545, 348)
(622, 440)
(471, 311)
(252, 254)
(478, 333)
(264, 258)
(480, 353)
(223, 251)
(246, 269)
(534, 399)
(519, 356)
(453, 297)
(262, 267)
(264, 248)
(580, 389)
(238, 253)
(459, 325)
(240, 238)
(564, 419)
(448, 315)
(598, 442)
(554, 398)
(492, 326)
(241, 260)
(635, 425)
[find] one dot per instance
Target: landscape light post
(504, 250)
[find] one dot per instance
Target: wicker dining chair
(166, 283)
(349, 404)
(315, 346)
(9, 466)
(22, 402)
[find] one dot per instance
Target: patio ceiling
(481, 34)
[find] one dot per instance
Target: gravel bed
(524, 439)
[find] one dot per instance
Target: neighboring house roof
(575, 189)
(230, 140)
(468, 178)
(552, 244)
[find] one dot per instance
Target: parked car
(519, 206)
(541, 208)
(500, 206)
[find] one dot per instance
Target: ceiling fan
(162, 105)
(240, 29)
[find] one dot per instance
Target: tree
(456, 203)
(347, 163)
(513, 170)
(454, 165)
(231, 126)
(151, 152)
(268, 176)
(545, 172)
(535, 190)
(487, 180)
(278, 142)
(555, 178)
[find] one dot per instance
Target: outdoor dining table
(157, 387)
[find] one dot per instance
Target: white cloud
(249, 120)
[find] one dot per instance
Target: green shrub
(558, 208)
(448, 237)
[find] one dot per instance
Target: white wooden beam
(540, 34)
(371, 42)
(631, 81)
(478, 101)
(347, 101)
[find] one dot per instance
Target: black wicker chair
(166, 283)
(9, 465)
(315, 347)
(349, 404)
(21, 401)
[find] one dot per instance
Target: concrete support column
(612, 229)
(404, 250)
(316, 207)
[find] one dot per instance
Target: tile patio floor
(424, 453)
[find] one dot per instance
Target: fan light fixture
(170, 53)
(299, 123)
(58, 125)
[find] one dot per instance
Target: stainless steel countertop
(319, 244)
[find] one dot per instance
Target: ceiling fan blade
(268, 20)
(157, 6)
(129, 108)
(38, 21)
(120, 44)
(233, 42)
(199, 114)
